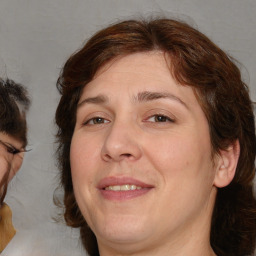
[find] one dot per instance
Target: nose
(121, 143)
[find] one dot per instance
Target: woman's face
(7, 159)
(140, 156)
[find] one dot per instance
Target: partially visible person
(14, 103)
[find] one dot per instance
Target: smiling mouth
(122, 188)
(125, 187)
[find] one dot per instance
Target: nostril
(126, 155)
(120, 157)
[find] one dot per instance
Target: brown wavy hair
(223, 96)
(14, 102)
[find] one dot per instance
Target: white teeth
(122, 188)
(125, 187)
(132, 187)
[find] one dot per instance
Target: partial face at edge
(139, 131)
(7, 159)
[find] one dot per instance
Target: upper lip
(114, 180)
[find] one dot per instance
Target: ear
(226, 165)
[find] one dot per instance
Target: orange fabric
(7, 230)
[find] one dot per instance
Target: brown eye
(160, 118)
(96, 120)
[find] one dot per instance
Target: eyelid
(11, 149)
(15, 151)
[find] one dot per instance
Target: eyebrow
(144, 96)
(150, 96)
(100, 99)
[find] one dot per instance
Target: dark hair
(223, 96)
(14, 102)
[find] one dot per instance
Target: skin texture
(123, 131)
(7, 158)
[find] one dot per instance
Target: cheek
(84, 159)
(3, 167)
(174, 150)
(5, 159)
(84, 162)
(186, 171)
(179, 156)
(16, 164)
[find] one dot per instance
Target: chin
(124, 230)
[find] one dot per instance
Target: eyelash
(10, 149)
(13, 151)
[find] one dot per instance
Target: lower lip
(123, 195)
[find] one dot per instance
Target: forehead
(140, 64)
(135, 73)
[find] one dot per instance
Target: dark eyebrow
(149, 96)
(141, 97)
(100, 99)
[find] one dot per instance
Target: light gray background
(36, 37)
